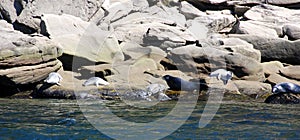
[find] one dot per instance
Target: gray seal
(95, 81)
(222, 74)
(53, 78)
(286, 87)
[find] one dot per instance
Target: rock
(253, 88)
(190, 57)
(240, 46)
(291, 72)
(275, 14)
(287, 98)
(241, 10)
(189, 11)
(136, 51)
(87, 10)
(283, 2)
(292, 31)
(8, 11)
(274, 48)
(82, 39)
(148, 32)
(246, 27)
(217, 21)
(276, 78)
(212, 1)
(24, 59)
(272, 67)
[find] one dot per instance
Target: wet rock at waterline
(286, 98)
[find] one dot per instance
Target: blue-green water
(63, 119)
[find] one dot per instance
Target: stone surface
(189, 11)
(240, 46)
(292, 72)
(292, 31)
(253, 88)
(276, 78)
(151, 32)
(288, 98)
(82, 39)
(270, 13)
(190, 57)
(246, 27)
(8, 11)
(87, 10)
(274, 48)
(272, 67)
(24, 59)
(283, 2)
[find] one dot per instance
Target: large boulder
(151, 31)
(248, 27)
(291, 72)
(206, 59)
(275, 14)
(272, 67)
(87, 10)
(272, 49)
(283, 2)
(253, 88)
(276, 78)
(9, 10)
(292, 31)
(24, 59)
(82, 39)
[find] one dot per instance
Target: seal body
(286, 87)
(176, 83)
(222, 74)
(53, 78)
(95, 81)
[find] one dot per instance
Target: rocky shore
(133, 43)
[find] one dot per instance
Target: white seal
(53, 78)
(95, 81)
(222, 74)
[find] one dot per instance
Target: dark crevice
(23, 28)
(18, 6)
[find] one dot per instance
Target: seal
(53, 78)
(176, 83)
(222, 74)
(95, 81)
(286, 87)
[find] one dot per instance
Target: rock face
(82, 39)
(134, 43)
(192, 56)
(24, 59)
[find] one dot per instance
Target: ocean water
(64, 119)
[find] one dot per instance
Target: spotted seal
(286, 87)
(95, 81)
(222, 74)
(53, 78)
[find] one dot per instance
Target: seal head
(286, 87)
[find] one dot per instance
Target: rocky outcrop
(190, 57)
(24, 59)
